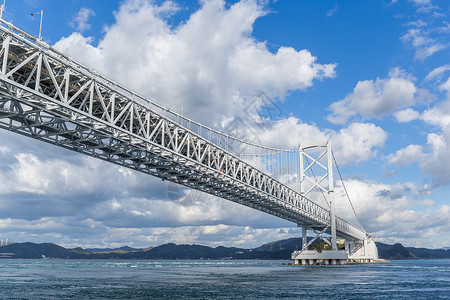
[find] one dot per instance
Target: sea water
(229, 279)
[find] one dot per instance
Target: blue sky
(373, 76)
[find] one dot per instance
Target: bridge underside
(28, 116)
(48, 97)
(32, 117)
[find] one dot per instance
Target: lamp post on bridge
(40, 26)
(2, 9)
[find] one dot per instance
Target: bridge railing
(214, 136)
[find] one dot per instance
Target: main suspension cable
(345, 189)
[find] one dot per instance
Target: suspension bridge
(46, 95)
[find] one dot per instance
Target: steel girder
(47, 96)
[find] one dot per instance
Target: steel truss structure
(46, 95)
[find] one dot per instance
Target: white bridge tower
(316, 160)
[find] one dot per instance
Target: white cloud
(418, 23)
(436, 161)
(4, 150)
(358, 142)
(87, 233)
(387, 211)
(406, 155)
(80, 21)
(437, 72)
(288, 133)
(421, 2)
(424, 6)
(445, 28)
(446, 86)
(374, 99)
(332, 11)
(211, 65)
(438, 115)
(45, 170)
(430, 8)
(427, 202)
(406, 115)
(205, 67)
(415, 37)
(78, 46)
(427, 51)
(420, 39)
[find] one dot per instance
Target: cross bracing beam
(47, 96)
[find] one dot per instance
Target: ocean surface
(205, 279)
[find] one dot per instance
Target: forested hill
(275, 250)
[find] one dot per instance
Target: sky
(371, 76)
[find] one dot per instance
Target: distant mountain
(424, 253)
(31, 250)
(396, 251)
(97, 250)
(275, 250)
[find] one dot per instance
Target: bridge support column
(366, 252)
(330, 195)
(304, 237)
(333, 224)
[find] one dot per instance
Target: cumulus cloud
(386, 211)
(206, 67)
(374, 99)
(76, 45)
(435, 160)
(438, 115)
(87, 233)
(358, 142)
(80, 21)
(406, 115)
(288, 133)
(406, 156)
(84, 176)
(78, 200)
(209, 67)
